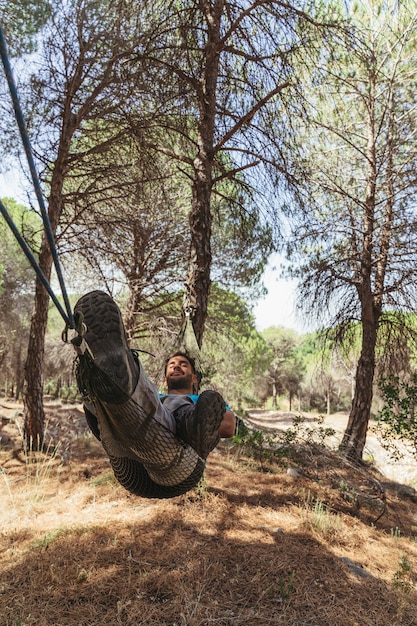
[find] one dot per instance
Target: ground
(310, 540)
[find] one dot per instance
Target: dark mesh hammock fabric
(133, 476)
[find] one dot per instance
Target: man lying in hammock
(157, 445)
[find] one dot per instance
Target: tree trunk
(33, 396)
(274, 395)
(354, 438)
(19, 372)
(198, 276)
(132, 308)
(199, 264)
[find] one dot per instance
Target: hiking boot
(112, 374)
(198, 425)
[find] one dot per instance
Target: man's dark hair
(185, 356)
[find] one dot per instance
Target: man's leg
(198, 425)
(131, 419)
(118, 375)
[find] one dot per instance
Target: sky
(277, 308)
(6, 185)
(10, 184)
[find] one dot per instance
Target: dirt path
(403, 471)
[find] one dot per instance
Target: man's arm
(227, 427)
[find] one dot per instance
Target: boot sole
(209, 413)
(114, 372)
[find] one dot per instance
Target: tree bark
(354, 438)
(198, 276)
(33, 393)
(132, 308)
(33, 396)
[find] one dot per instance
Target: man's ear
(194, 379)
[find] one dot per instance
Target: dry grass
(249, 548)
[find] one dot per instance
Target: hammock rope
(186, 342)
(66, 315)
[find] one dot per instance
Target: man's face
(179, 374)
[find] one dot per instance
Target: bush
(398, 411)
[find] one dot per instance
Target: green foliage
(398, 411)
(15, 271)
(16, 293)
(242, 241)
(48, 539)
(404, 576)
(270, 448)
(201, 489)
(259, 446)
(315, 435)
(234, 353)
(70, 394)
(330, 359)
(286, 589)
(286, 367)
(21, 21)
(355, 151)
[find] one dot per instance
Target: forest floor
(305, 540)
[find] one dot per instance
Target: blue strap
(69, 318)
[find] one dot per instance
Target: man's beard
(179, 382)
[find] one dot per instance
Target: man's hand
(228, 425)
